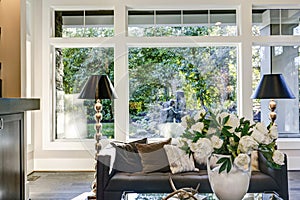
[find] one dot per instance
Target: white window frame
(42, 78)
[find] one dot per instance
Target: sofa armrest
(103, 167)
(279, 175)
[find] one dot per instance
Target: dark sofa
(112, 183)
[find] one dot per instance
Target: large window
(179, 57)
(74, 118)
(167, 83)
(283, 60)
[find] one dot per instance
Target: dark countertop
(17, 105)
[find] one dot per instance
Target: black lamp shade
(272, 86)
(98, 87)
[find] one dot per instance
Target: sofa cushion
(154, 157)
(157, 181)
(127, 158)
(179, 161)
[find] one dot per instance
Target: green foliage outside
(107, 130)
(207, 74)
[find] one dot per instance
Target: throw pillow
(154, 157)
(254, 161)
(127, 158)
(179, 161)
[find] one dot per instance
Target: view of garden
(191, 77)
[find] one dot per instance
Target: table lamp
(272, 86)
(97, 87)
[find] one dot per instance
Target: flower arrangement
(224, 133)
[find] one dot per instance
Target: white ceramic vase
(227, 186)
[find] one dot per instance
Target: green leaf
(225, 119)
(227, 127)
(225, 164)
(226, 132)
(221, 160)
(229, 166)
(223, 167)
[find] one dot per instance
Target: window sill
(289, 135)
(289, 141)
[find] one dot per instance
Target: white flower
(211, 131)
(247, 144)
(199, 115)
(184, 121)
(216, 142)
(221, 116)
(233, 121)
(203, 147)
(278, 157)
(260, 126)
(242, 161)
(273, 132)
(197, 127)
(184, 141)
(261, 134)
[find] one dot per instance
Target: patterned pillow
(179, 161)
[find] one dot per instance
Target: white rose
(200, 114)
(242, 161)
(278, 157)
(203, 147)
(211, 131)
(259, 136)
(197, 127)
(247, 144)
(216, 142)
(273, 132)
(194, 146)
(184, 121)
(233, 121)
(184, 141)
(221, 116)
(260, 126)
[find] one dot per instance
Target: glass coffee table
(208, 196)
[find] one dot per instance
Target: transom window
(84, 23)
(153, 23)
(275, 22)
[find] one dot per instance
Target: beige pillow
(254, 161)
(153, 156)
(179, 161)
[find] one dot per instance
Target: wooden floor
(69, 185)
(59, 185)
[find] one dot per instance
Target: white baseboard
(30, 166)
(293, 163)
(64, 165)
